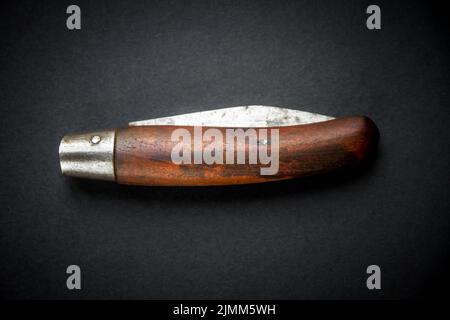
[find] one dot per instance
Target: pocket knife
(239, 145)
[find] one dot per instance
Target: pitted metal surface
(88, 155)
(243, 117)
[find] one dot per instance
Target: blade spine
(213, 113)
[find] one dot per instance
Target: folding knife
(239, 145)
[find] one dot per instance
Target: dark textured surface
(298, 239)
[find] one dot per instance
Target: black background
(300, 239)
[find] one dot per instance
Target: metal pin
(95, 139)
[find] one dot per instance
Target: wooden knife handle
(143, 154)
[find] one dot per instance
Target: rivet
(95, 139)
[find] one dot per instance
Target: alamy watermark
(73, 21)
(74, 279)
(227, 146)
(374, 280)
(373, 22)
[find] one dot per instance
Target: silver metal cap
(88, 155)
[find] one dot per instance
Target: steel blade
(243, 116)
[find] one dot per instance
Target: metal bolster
(88, 155)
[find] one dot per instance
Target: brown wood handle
(143, 154)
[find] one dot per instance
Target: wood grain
(143, 154)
